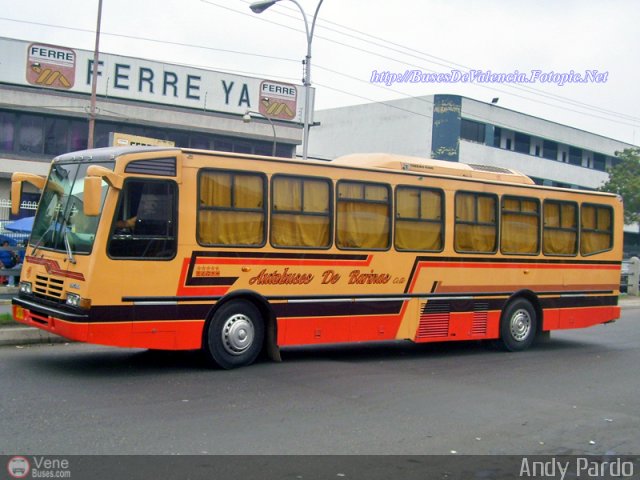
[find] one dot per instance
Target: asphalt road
(578, 393)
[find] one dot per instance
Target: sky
(551, 44)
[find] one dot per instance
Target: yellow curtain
(431, 203)
(317, 197)
(363, 213)
(351, 190)
(475, 234)
(475, 238)
(309, 227)
(465, 208)
(560, 230)
(519, 233)
(299, 230)
(569, 217)
(217, 227)
(520, 225)
(596, 229)
(418, 235)
(223, 218)
(287, 194)
(418, 219)
(215, 190)
(377, 193)
(559, 242)
(408, 203)
(362, 225)
(486, 210)
(248, 191)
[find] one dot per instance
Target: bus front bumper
(57, 321)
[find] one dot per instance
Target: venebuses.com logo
(38, 467)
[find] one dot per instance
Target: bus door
(142, 243)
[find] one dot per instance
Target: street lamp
(246, 118)
(261, 6)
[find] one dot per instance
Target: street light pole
(261, 6)
(246, 118)
(94, 81)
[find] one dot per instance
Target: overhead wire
(440, 62)
(412, 53)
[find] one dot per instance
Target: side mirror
(93, 188)
(16, 196)
(16, 187)
(92, 196)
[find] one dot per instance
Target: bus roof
(437, 167)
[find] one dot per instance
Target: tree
(624, 179)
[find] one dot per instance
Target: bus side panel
(117, 334)
(580, 317)
(318, 330)
(449, 326)
(338, 321)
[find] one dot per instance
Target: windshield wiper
(39, 242)
(67, 245)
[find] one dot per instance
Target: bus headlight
(25, 287)
(75, 300)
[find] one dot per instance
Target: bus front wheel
(518, 325)
(235, 335)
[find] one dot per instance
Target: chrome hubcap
(520, 325)
(237, 334)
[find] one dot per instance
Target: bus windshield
(60, 223)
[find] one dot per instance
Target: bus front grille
(48, 287)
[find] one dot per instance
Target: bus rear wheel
(518, 325)
(235, 335)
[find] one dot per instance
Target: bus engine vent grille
(480, 318)
(48, 287)
(434, 320)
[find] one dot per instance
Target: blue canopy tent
(24, 225)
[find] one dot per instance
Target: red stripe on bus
(53, 268)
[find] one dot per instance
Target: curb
(27, 336)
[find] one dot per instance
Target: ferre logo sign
(278, 100)
(52, 67)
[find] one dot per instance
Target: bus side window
(145, 221)
(596, 229)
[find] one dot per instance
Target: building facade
(460, 129)
(45, 93)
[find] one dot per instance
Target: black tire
(235, 335)
(518, 325)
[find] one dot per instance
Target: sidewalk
(16, 334)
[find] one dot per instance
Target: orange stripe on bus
(492, 265)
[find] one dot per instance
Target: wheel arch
(270, 345)
(533, 299)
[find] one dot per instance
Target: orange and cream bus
(168, 248)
